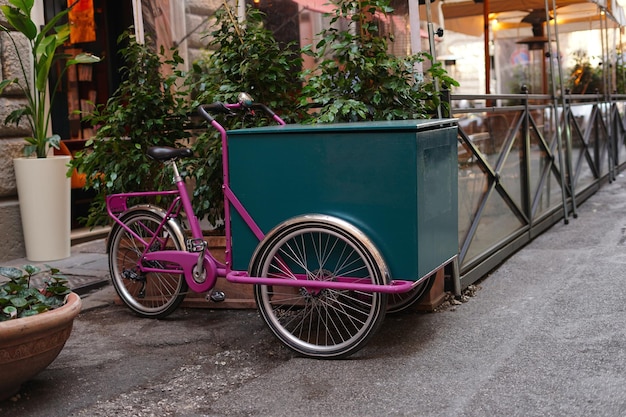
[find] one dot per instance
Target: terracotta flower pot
(28, 345)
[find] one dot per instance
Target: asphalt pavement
(542, 335)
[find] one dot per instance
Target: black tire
(402, 301)
(151, 295)
(328, 324)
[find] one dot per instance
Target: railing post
(525, 180)
(568, 153)
(559, 147)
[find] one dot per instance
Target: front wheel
(153, 295)
(322, 323)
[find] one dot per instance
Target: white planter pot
(44, 193)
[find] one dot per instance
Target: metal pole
(568, 134)
(608, 93)
(416, 42)
(138, 21)
(433, 52)
(456, 277)
(486, 46)
(557, 123)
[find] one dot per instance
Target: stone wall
(11, 145)
(198, 21)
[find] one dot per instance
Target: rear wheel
(153, 295)
(324, 323)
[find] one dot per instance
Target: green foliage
(148, 109)
(18, 299)
(358, 79)
(42, 47)
(244, 57)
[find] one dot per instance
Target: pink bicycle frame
(185, 261)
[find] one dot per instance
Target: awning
(466, 16)
(453, 9)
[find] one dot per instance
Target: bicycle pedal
(217, 296)
(196, 245)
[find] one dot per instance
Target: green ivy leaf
(10, 311)
(9, 272)
(19, 302)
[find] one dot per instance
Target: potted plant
(41, 181)
(34, 324)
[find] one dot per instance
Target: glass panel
(496, 223)
(620, 138)
(512, 172)
(472, 186)
(541, 172)
(551, 195)
(580, 163)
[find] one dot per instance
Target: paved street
(543, 335)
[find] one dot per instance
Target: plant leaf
(84, 59)
(19, 302)
(20, 19)
(10, 272)
(31, 269)
(10, 311)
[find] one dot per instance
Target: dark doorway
(85, 85)
(82, 85)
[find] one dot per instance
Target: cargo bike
(333, 225)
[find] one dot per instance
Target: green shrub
(240, 57)
(358, 79)
(148, 109)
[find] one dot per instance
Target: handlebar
(219, 107)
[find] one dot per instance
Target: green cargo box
(394, 180)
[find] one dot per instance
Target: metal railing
(525, 163)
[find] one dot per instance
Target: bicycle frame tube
(229, 196)
(342, 283)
